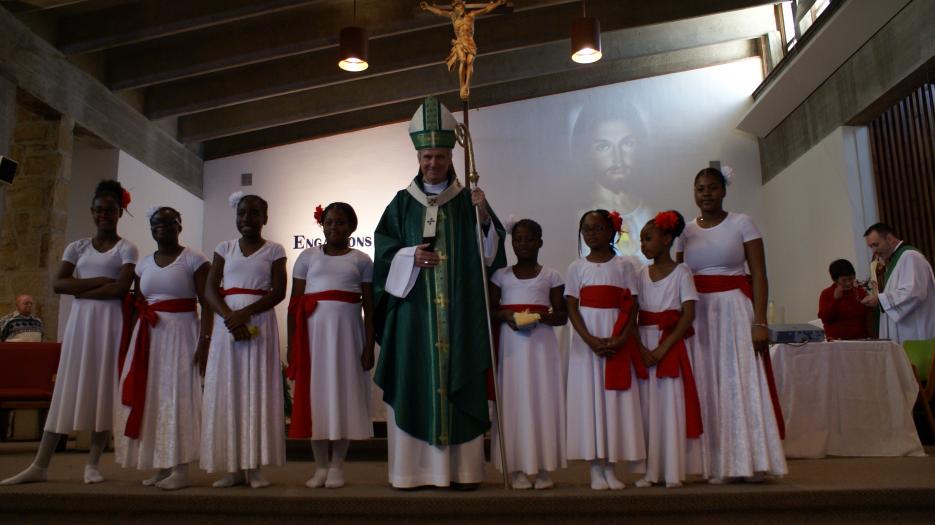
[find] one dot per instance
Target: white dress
(741, 435)
(86, 381)
(340, 387)
(908, 300)
(531, 386)
(171, 424)
(670, 455)
(602, 424)
(243, 424)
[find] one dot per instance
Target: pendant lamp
(352, 47)
(585, 38)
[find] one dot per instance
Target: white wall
(93, 161)
(526, 161)
(816, 211)
(149, 189)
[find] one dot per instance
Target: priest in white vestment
(907, 301)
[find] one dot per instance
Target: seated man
(21, 326)
(839, 306)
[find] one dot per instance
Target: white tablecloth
(846, 398)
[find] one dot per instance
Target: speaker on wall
(7, 170)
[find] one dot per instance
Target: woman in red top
(839, 307)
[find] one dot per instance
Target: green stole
(434, 350)
(891, 264)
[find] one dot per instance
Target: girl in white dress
(742, 419)
(242, 425)
(605, 425)
(530, 367)
(330, 346)
(671, 411)
(160, 383)
(98, 272)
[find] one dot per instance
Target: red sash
(724, 283)
(300, 362)
(617, 368)
(531, 308)
(676, 363)
(126, 330)
(133, 394)
(744, 283)
(242, 291)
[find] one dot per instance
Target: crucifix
(463, 47)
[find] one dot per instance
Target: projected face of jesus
(611, 148)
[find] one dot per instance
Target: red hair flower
(125, 199)
(319, 214)
(617, 220)
(666, 220)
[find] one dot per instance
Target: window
(796, 17)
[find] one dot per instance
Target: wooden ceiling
(230, 76)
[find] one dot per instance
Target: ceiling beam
(526, 62)
(44, 72)
(601, 73)
(253, 40)
(125, 24)
(30, 6)
(303, 30)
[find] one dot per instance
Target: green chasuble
(434, 351)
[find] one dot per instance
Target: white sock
(92, 474)
(597, 476)
(612, 482)
(256, 479)
(320, 452)
(230, 480)
(159, 476)
(32, 474)
(318, 479)
(335, 477)
(177, 480)
(673, 484)
(643, 483)
(543, 481)
(519, 481)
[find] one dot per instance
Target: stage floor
(827, 490)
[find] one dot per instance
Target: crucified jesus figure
(463, 48)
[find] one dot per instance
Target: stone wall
(32, 238)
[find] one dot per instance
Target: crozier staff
(431, 321)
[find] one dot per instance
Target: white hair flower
(509, 223)
(152, 211)
(728, 173)
(235, 197)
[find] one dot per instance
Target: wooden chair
(921, 355)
